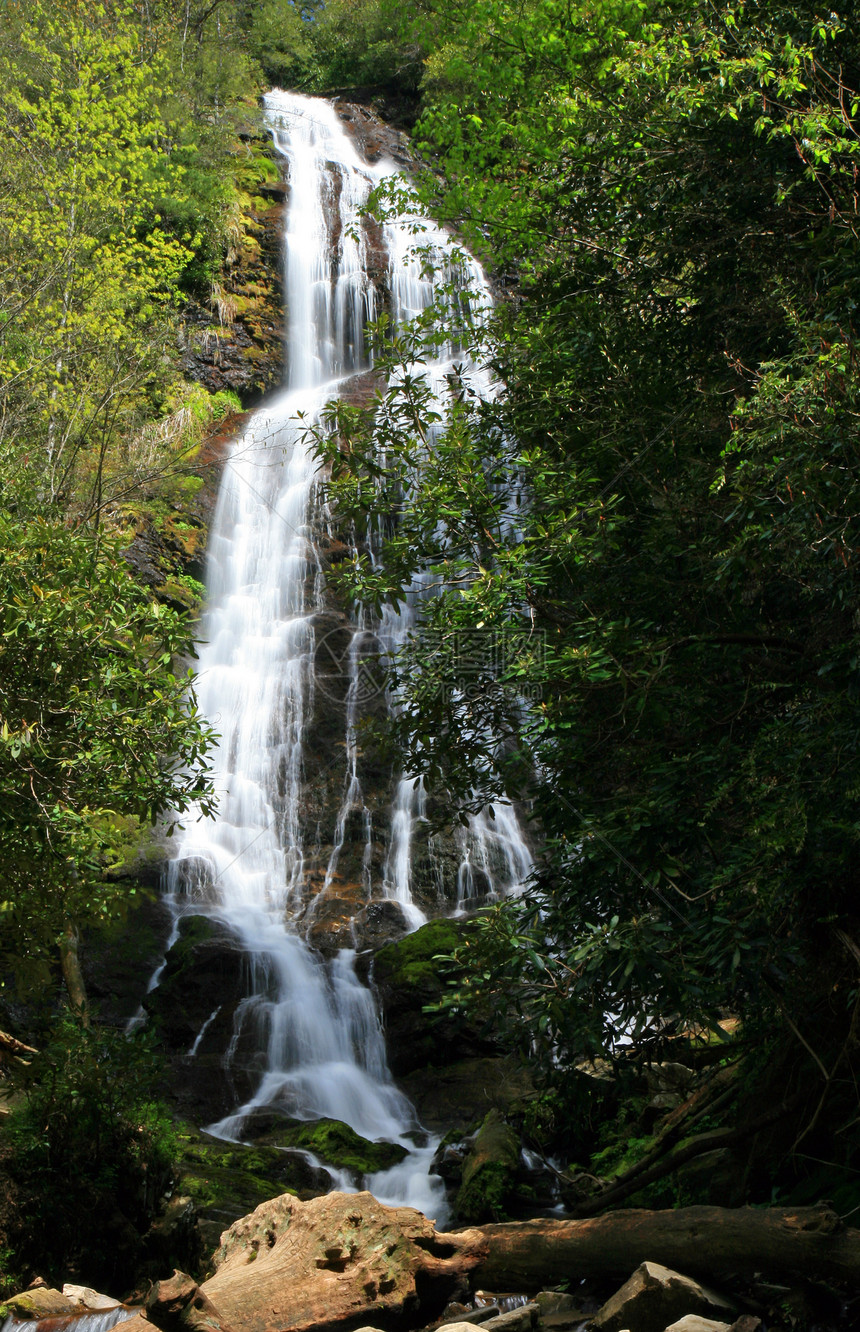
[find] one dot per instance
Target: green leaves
(665, 493)
(95, 725)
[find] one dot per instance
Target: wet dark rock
(330, 927)
(459, 1095)
(118, 960)
(200, 995)
(407, 978)
(449, 1160)
(373, 137)
(379, 923)
(174, 1239)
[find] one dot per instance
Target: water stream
(253, 867)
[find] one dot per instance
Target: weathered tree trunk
(344, 1260)
(336, 1261)
(699, 1241)
(12, 1048)
(72, 974)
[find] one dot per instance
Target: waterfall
(265, 863)
(101, 1321)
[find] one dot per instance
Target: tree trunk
(699, 1241)
(72, 974)
(337, 1262)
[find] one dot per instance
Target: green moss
(489, 1172)
(484, 1197)
(338, 1145)
(412, 960)
(620, 1155)
(193, 930)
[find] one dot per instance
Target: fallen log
(11, 1047)
(340, 1260)
(711, 1242)
(345, 1260)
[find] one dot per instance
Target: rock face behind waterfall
(272, 1002)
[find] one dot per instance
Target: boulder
(226, 1181)
(195, 1009)
(654, 1297)
(716, 1177)
(696, 1323)
(558, 1311)
(489, 1172)
(119, 957)
(458, 1095)
(337, 1261)
(336, 1144)
(43, 1302)
(407, 978)
(379, 923)
(86, 1298)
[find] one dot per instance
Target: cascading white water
(318, 1025)
(102, 1321)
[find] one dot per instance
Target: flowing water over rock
(307, 832)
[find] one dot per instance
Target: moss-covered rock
(235, 340)
(489, 1173)
(336, 1144)
(42, 1303)
(409, 979)
(226, 1181)
(119, 957)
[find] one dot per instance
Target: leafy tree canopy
(661, 501)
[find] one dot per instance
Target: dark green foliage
(88, 1155)
(671, 192)
(94, 725)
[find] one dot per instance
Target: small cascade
(270, 861)
(103, 1320)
